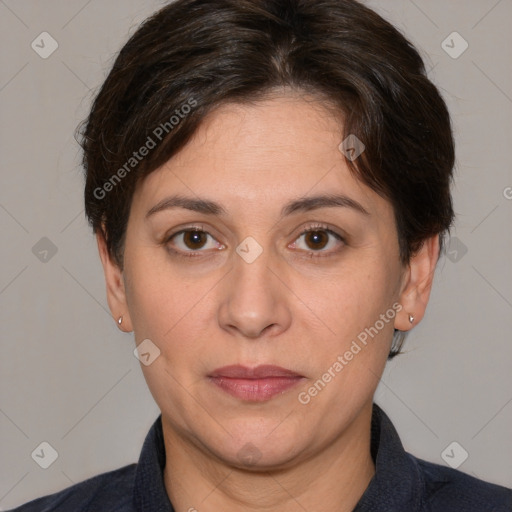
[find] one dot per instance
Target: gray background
(69, 377)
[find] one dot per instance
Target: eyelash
(310, 254)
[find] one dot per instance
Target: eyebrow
(304, 204)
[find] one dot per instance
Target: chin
(267, 445)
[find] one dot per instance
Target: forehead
(262, 153)
(277, 134)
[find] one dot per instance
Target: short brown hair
(194, 55)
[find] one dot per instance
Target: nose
(254, 301)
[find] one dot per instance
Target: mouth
(257, 384)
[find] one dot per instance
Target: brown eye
(194, 239)
(316, 239)
(192, 242)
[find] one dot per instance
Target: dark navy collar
(149, 490)
(397, 485)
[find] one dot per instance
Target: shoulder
(450, 489)
(107, 492)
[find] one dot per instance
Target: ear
(114, 281)
(417, 284)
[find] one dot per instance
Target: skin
(299, 305)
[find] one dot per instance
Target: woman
(269, 185)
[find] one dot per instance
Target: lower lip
(255, 390)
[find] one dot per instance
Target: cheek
(353, 298)
(358, 306)
(166, 305)
(156, 302)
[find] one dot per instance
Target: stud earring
(411, 319)
(120, 320)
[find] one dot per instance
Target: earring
(411, 319)
(120, 320)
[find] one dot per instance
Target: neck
(336, 477)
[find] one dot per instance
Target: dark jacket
(402, 483)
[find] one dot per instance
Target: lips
(258, 372)
(254, 384)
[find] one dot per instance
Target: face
(255, 245)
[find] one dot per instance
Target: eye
(318, 239)
(191, 241)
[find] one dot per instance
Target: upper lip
(258, 372)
